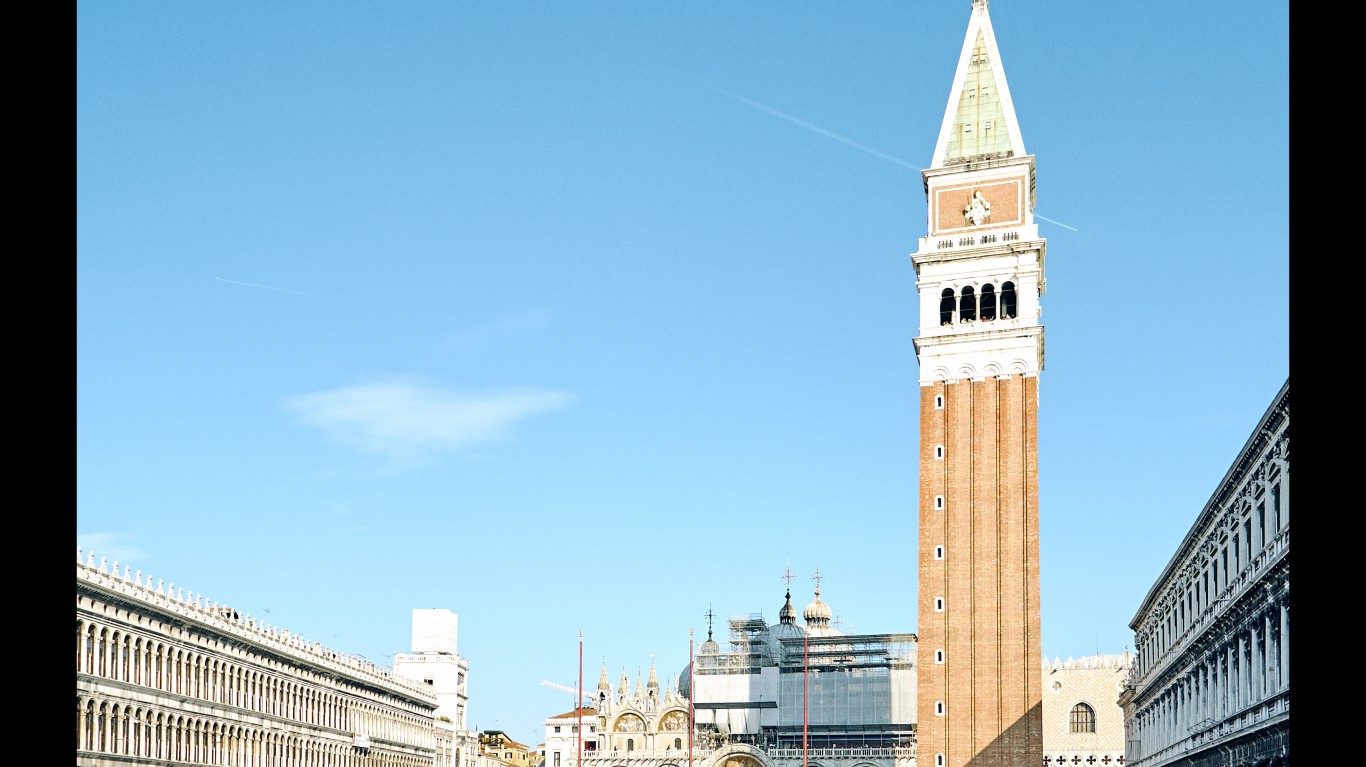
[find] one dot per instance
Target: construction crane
(566, 688)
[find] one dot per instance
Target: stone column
(1285, 644)
(1254, 658)
(1285, 493)
(1269, 660)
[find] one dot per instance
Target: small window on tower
(938, 452)
(938, 402)
(938, 552)
(939, 708)
(967, 129)
(939, 604)
(939, 501)
(938, 760)
(938, 656)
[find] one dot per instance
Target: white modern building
(436, 663)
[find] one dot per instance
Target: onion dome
(817, 614)
(709, 647)
(787, 627)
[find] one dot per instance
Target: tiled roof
(585, 711)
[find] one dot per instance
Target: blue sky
(594, 316)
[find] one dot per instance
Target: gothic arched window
(946, 303)
(1082, 719)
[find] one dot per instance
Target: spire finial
(787, 575)
(816, 578)
(710, 615)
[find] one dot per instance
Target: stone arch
(628, 721)
(673, 719)
(738, 755)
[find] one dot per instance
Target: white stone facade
(164, 677)
(1212, 682)
(1083, 723)
(434, 662)
(562, 740)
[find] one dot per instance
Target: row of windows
(1260, 523)
(970, 305)
(125, 656)
(107, 727)
(677, 745)
(1246, 668)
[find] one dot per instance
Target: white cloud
(404, 419)
(115, 547)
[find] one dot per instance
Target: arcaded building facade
(980, 274)
(1212, 683)
(165, 677)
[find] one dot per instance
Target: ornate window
(946, 304)
(1082, 719)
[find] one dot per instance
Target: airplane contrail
(842, 139)
(817, 129)
(268, 287)
(1059, 223)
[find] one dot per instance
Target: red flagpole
(578, 702)
(805, 705)
(692, 693)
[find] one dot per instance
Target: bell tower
(980, 345)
